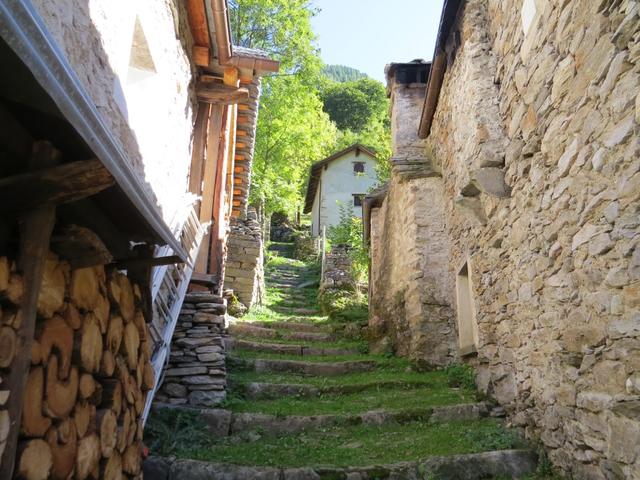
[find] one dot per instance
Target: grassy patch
(390, 399)
(387, 373)
(338, 343)
(349, 446)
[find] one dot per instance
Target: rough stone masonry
(535, 135)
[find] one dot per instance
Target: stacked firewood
(89, 377)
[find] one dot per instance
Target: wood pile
(89, 377)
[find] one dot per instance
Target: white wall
(149, 112)
(337, 185)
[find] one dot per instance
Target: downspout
(436, 77)
(225, 48)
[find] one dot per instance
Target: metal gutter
(224, 46)
(24, 31)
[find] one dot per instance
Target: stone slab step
(271, 391)
(288, 349)
(305, 368)
(243, 423)
(297, 326)
(309, 336)
(475, 466)
(247, 329)
(297, 310)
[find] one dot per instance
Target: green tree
(293, 131)
(353, 105)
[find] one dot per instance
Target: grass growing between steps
(389, 399)
(360, 346)
(394, 370)
(339, 446)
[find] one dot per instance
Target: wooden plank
(35, 233)
(201, 55)
(198, 151)
(198, 22)
(219, 227)
(214, 139)
(55, 185)
(213, 92)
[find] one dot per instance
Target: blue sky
(368, 34)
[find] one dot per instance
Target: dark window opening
(357, 199)
(358, 167)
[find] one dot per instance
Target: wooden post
(198, 151)
(35, 233)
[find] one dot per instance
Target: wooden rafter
(55, 185)
(212, 92)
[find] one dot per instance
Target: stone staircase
(306, 403)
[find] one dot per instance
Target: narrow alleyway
(309, 403)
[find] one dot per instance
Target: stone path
(306, 403)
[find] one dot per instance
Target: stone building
(515, 192)
(124, 153)
(339, 181)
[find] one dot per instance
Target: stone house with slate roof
(508, 236)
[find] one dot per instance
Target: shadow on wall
(141, 91)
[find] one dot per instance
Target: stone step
(268, 425)
(273, 391)
(240, 329)
(246, 329)
(475, 466)
(328, 369)
(297, 326)
(296, 310)
(287, 349)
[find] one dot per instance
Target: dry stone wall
(336, 270)
(556, 263)
(244, 271)
(196, 373)
(410, 305)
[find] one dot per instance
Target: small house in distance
(341, 179)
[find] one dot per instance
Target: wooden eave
(25, 33)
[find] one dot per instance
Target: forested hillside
(342, 73)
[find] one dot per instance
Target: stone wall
(196, 373)
(244, 272)
(245, 143)
(336, 269)
(555, 257)
(410, 310)
(127, 55)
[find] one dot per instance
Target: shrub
(462, 376)
(349, 232)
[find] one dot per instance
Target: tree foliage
(294, 128)
(353, 105)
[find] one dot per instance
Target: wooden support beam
(212, 92)
(35, 233)
(198, 152)
(55, 185)
(201, 55)
(148, 262)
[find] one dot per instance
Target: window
(358, 167)
(357, 199)
(467, 326)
